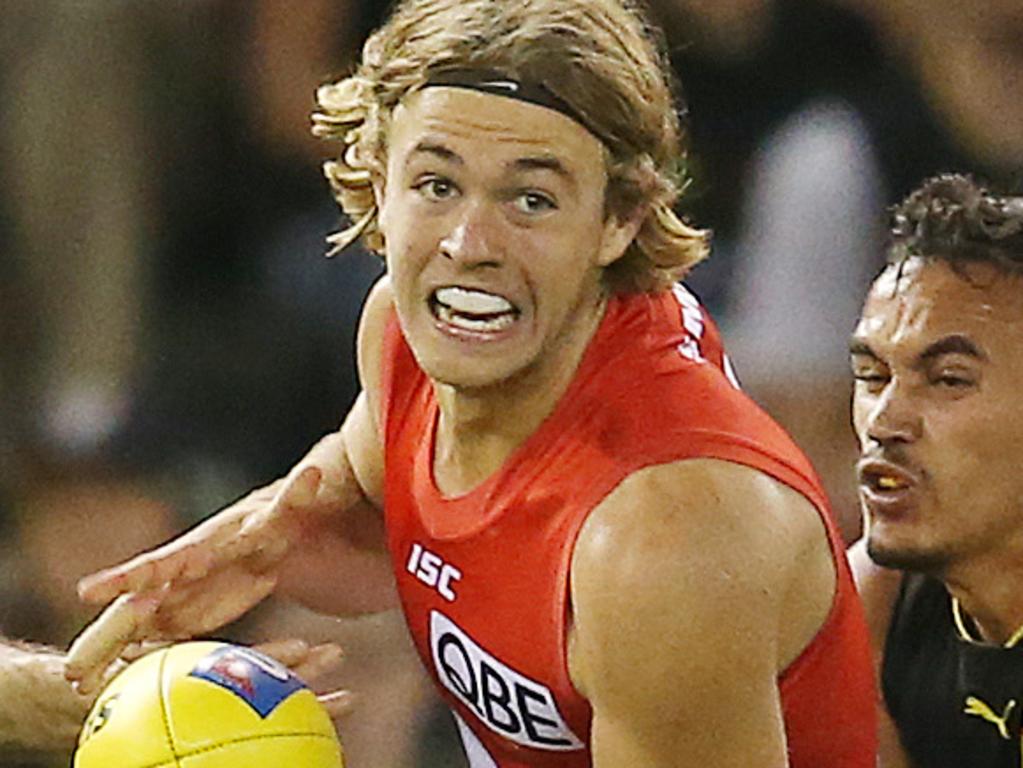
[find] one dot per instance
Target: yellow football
(207, 705)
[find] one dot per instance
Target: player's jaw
(475, 331)
(914, 519)
(894, 498)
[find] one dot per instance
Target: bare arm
(879, 588)
(316, 534)
(678, 596)
(39, 711)
(350, 551)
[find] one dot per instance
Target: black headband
(499, 84)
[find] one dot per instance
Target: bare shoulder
(698, 518)
(362, 428)
(878, 588)
(679, 583)
(372, 325)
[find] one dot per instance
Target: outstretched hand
(310, 662)
(196, 583)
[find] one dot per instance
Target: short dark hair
(954, 218)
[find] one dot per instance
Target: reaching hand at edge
(196, 583)
(307, 662)
(310, 662)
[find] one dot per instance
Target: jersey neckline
(459, 515)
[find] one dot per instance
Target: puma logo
(975, 706)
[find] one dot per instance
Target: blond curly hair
(600, 57)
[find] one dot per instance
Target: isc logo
(508, 703)
(432, 571)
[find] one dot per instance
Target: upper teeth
(888, 482)
(473, 302)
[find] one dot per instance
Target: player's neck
(479, 429)
(989, 600)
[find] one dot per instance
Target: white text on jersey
(433, 571)
(505, 701)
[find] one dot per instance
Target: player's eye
(533, 202)
(870, 379)
(435, 188)
(953, 375)
(953, 381)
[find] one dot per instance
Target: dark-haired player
(938, 362)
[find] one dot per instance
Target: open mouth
(473, 310)
(883, 478)
(882, 483)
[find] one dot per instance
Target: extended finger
(143, 572)
(263, 536)
(288, 652)
(318, 661)
(202, 606)
(300, 491)
(101, 643)
(338, 703)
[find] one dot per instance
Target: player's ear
(379, 189)
(380, 195)
(619, 232)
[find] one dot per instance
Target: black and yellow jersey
(956, 701)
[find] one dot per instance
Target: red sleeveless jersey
(483, 578)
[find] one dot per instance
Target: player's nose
(474, 239)
(894, 417)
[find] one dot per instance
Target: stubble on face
(969, 432)
(931, 562)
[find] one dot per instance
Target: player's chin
(471, 374)
(891, 551)
(474, 366)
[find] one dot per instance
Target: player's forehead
(912, 305)
(482, 128)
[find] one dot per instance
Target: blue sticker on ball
(259, 681)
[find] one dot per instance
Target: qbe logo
(508, 703)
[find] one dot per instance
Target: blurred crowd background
(171, 334)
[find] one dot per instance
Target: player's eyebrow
(542, 163)
(437, 150)
(545, 162)
(954, 344)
